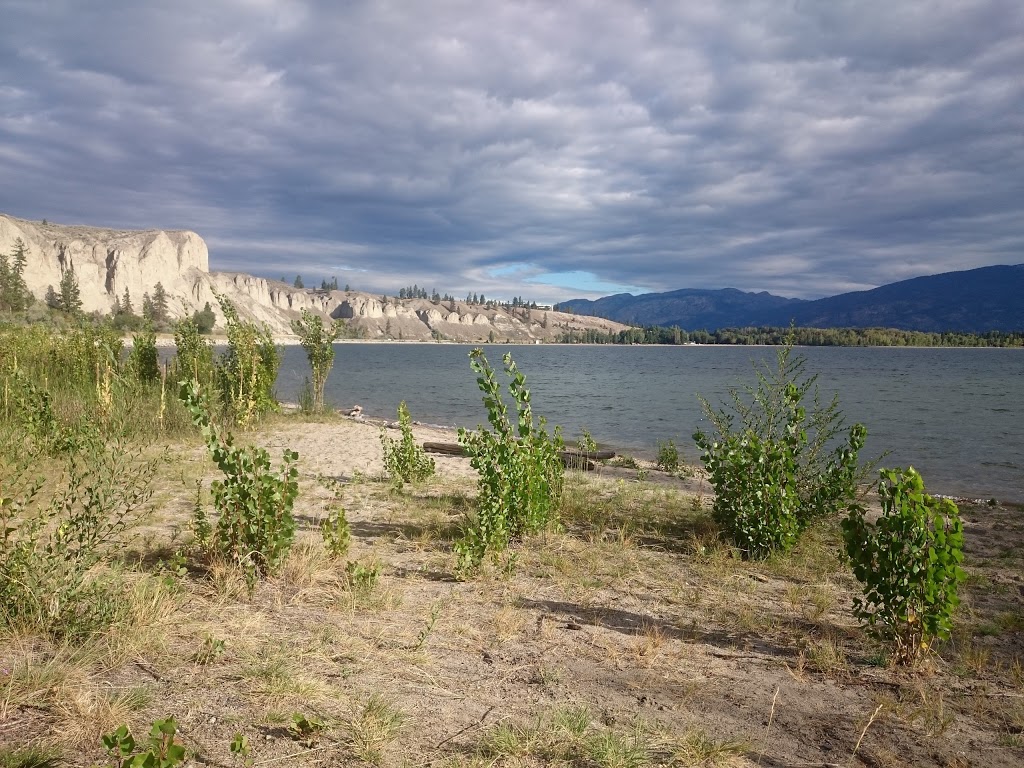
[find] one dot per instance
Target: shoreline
(166, 341)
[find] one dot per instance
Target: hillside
(108, 262)
(687, 308)
(971, 301)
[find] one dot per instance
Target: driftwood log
(571, 459)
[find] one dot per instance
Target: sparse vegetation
(351, 641)
(404, 460)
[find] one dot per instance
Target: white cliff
(107, 262)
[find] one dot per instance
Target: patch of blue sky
(584, 281)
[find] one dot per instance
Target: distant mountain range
(971, 301)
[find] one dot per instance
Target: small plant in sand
(318, 342)
(336, 532)
(159, 751)
(908, 562)
(668, 456)
(586, 443)
(771, 473)
(404, 460)
(255, 526)
(520, 468)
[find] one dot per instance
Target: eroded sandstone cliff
(108, 262)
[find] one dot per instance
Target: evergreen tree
(14, 293)
(52, 299)
(204, 320)
(70, 296)
(147, 308)
(298, 282)
(126, 303)
(160, 310)
(347, 287)
(5, 281)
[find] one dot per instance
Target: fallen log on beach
(571, 459)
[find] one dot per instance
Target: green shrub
(143, 361)
(194, 355)
(319, 345)
(668, 456)
(247, 370)
(586, 443)
(54, 533)
(255, 526)
(908, 562)
(771, 473)
(404, 460)
(520, 469)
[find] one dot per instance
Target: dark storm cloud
(804, 148)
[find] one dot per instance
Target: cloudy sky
(546, 149)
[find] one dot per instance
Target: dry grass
(633, 636)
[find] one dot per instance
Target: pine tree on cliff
(14, 293)
(160, 310)
(70, 297)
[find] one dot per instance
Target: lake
(957, 415)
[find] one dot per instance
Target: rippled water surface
(957, 415)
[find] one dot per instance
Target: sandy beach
(628, 636)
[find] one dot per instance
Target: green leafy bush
(668, 456)
(772, 474)
(194, 355)
(159, 751)
(586, 443)
(908, 562)
(520, 468)
(143, 361)
(248, 368)
(255, 526)
(404, 460)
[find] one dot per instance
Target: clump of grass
(696, 747)
(373, 728)
(567, 735)
(33, 756)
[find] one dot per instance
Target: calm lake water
(957, 415)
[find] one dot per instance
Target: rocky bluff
(107, 262)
